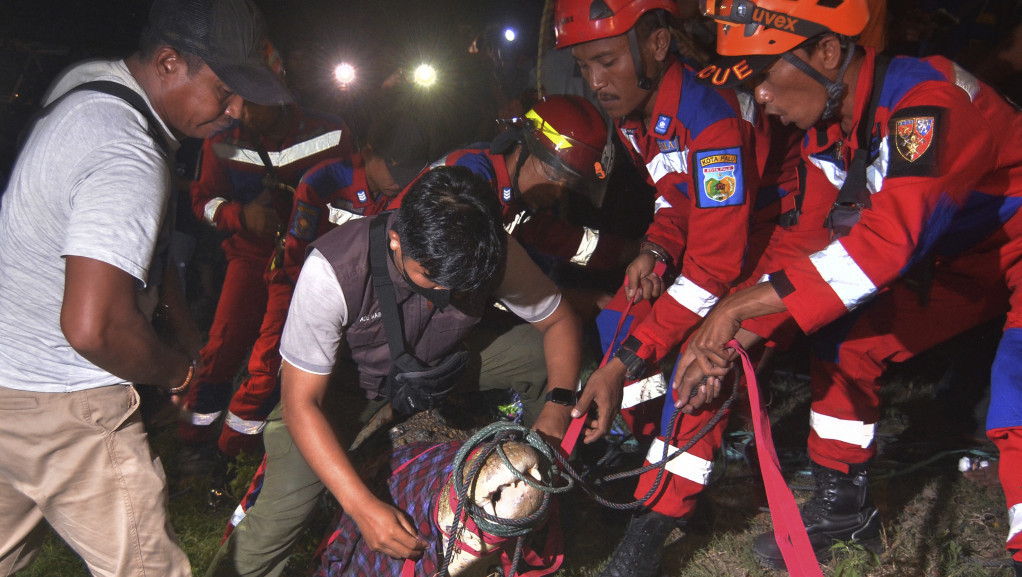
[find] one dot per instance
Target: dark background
(39, 38)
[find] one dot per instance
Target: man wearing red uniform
(246, 181)
(924, 155)
(557, 146)
(329, 194)
(699, 147)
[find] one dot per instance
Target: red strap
(789, 531)
(575, 428)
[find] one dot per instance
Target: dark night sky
(112, 25)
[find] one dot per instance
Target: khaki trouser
(262, 541)
(81, 462)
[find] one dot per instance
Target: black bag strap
(113, 89)
(384, 286)
(854, 190)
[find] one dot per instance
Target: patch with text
(718, 178)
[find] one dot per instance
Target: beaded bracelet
(184, 386)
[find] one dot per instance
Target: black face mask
(439, 297)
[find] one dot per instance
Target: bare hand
(641, 276)
(604, 388)
(388, 530)
(706, 357)
(553, 422)
(259, 218)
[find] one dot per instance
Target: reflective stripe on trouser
(851, 354)
(640, 406)
(260, 392)
(235, 328)
(686, 475)
(1004, 423)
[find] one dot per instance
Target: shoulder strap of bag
(113, 89)
(854, 190)
(384, 286)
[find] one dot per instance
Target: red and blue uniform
(705, 152)
(231, 175)
(543, 235)
(946, 189)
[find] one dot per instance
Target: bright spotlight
(424, 75)
(509, 35)
(345, 74)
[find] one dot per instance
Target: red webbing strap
(789, 531)
(575, 428)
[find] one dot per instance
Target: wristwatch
(565, 397)
(635, 366)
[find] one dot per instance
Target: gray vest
(430, 334)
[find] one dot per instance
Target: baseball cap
(228, 35)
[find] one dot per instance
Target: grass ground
(936, 522)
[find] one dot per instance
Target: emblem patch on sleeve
(718, 178)
(915, 135)
(305, 221)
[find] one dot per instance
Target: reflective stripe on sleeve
(851, 432)
(203, 419)
(687, 466)
(244, 427)
(844, 276)
(644, 390)
(340, 216)
(209, 212)
(692, 296)
(586, 248)
(660, 203)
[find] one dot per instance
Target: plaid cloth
(420, 472)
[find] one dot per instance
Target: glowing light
(345, 74)
(509, 35)
(424, 75)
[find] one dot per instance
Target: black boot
(839, 510)
(640, 550)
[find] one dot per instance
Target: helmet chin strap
(836, 88)
(645, 82)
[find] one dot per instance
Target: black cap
(730, 71)
(229, 36)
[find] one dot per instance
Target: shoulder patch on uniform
(362, 196)
(305, 222)
(718, 178)
(663, 122)
(505, 194)
(916, 135)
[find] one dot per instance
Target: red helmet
(568, 134)
(578, 21)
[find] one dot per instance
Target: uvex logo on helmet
(774, 20)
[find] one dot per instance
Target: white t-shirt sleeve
(118, 191)
(316, 320)
(525, 290)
